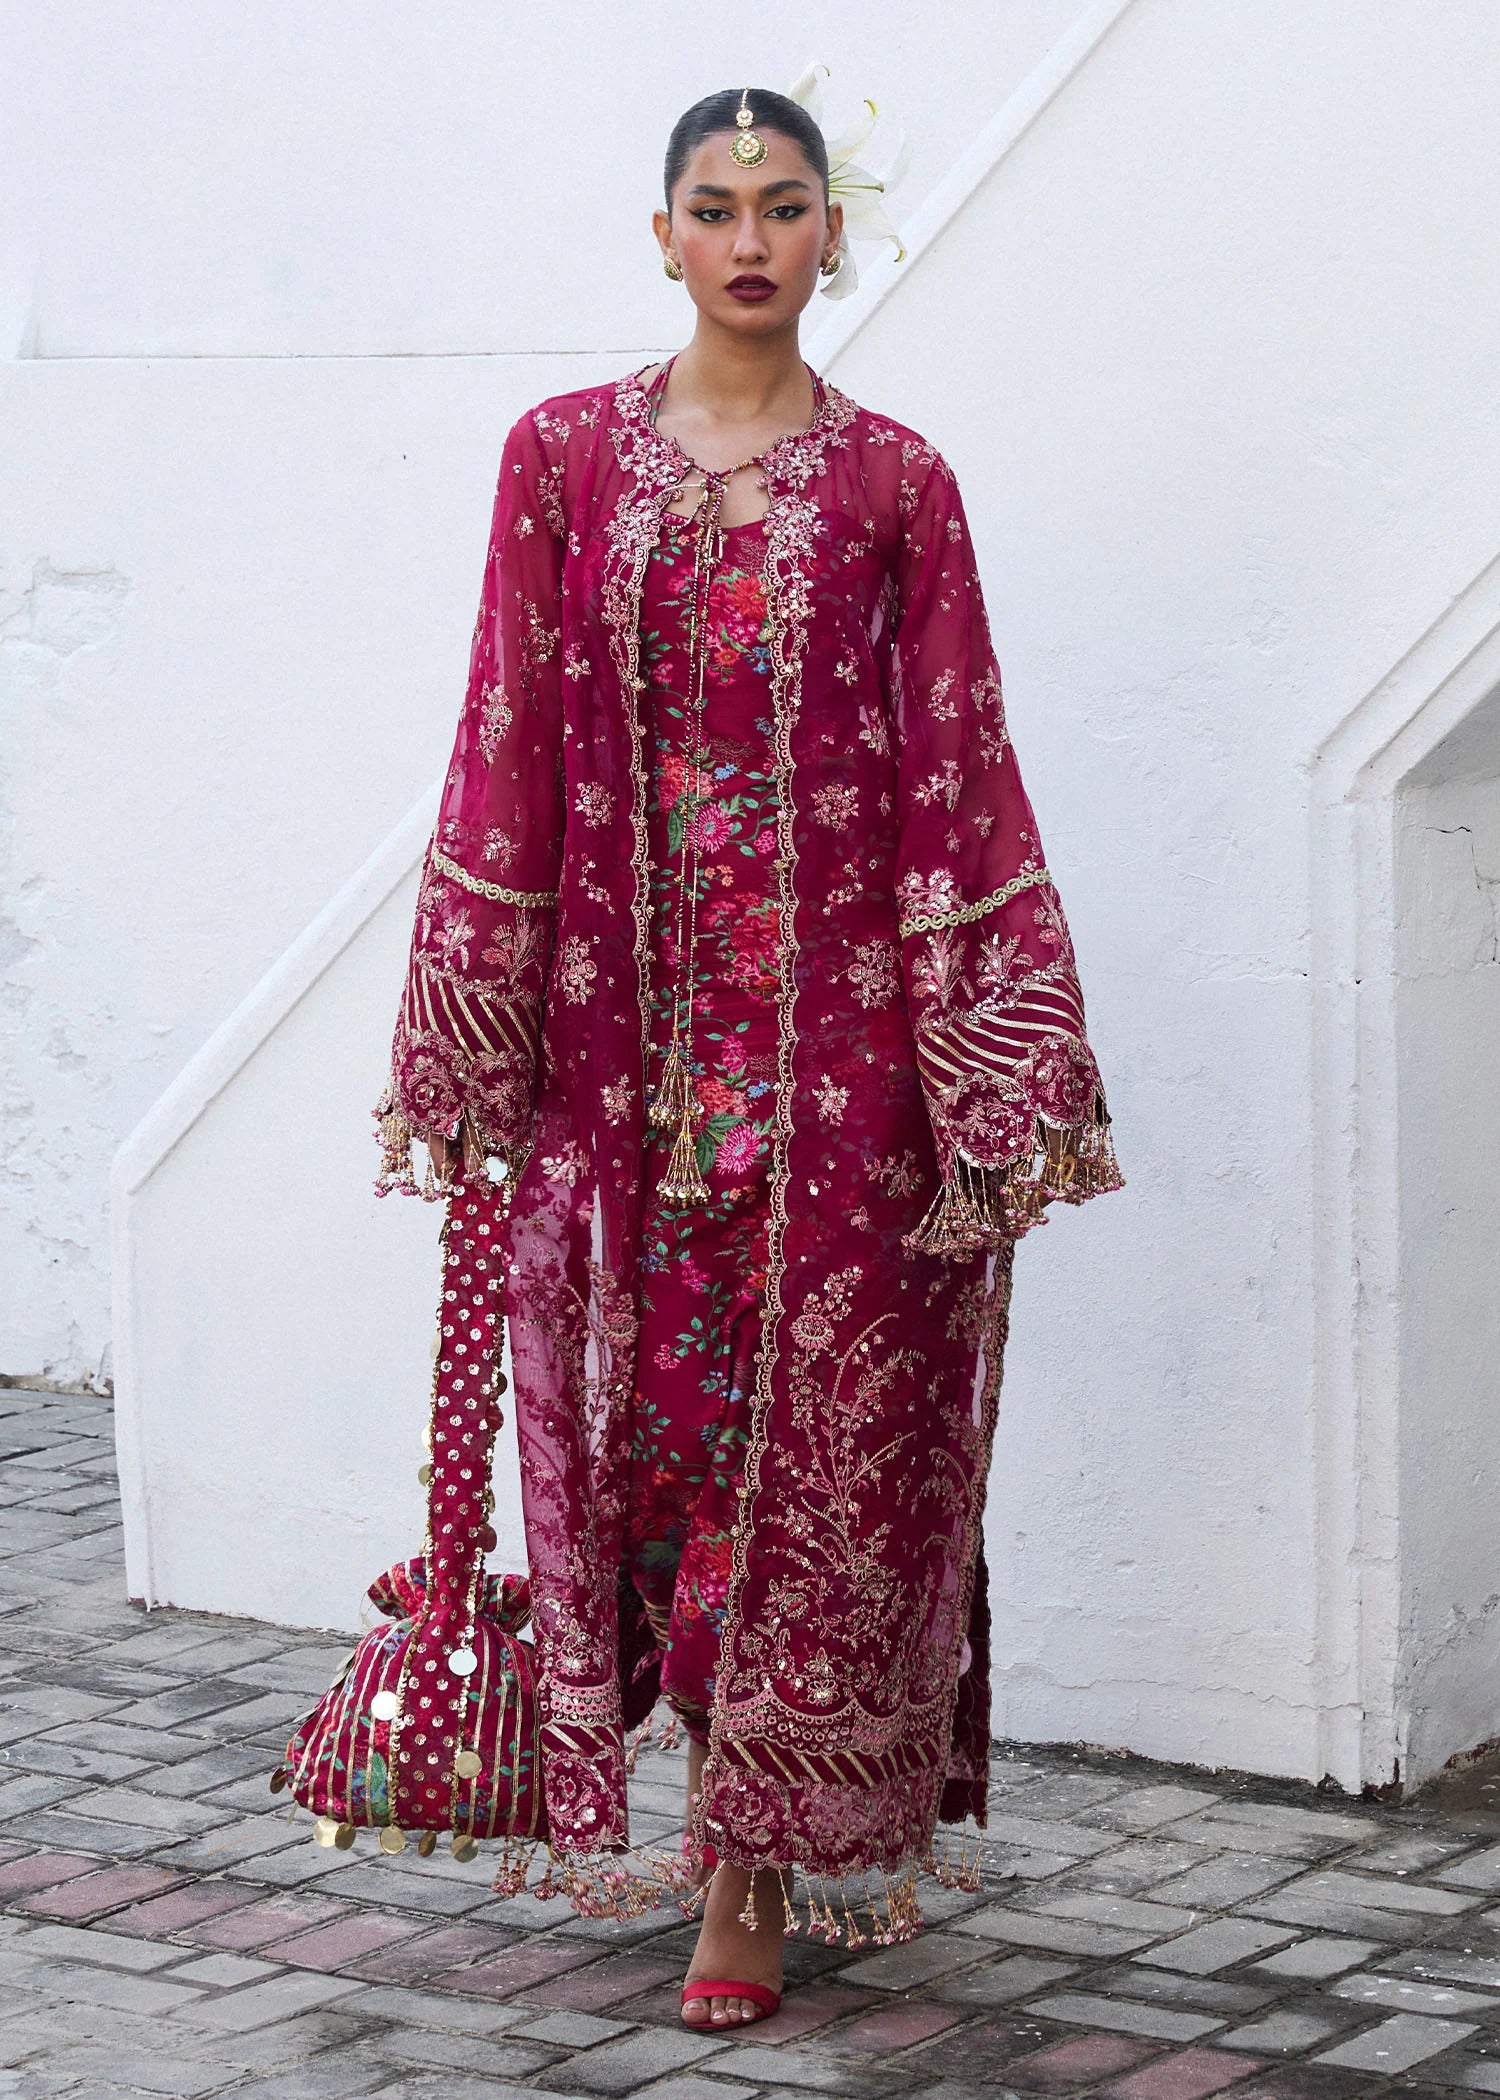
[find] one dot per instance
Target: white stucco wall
(1210, 350)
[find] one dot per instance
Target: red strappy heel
(760, 1994)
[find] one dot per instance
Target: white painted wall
(1448, 1007)
(1212, 352)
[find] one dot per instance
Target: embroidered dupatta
(936, 1088)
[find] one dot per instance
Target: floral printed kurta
(932, 1084)
(703, 1267)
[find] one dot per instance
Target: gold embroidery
(965, 914)
(536, 899)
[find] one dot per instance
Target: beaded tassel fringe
(977, 1207)
(675, 1101)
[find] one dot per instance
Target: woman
(735, 941)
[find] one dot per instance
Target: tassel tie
(675, 1104)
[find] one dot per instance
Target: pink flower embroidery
(739, 1149)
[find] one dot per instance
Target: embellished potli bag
(432, 1725)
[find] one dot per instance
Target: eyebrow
(771, 189)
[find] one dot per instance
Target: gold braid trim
(964, 914)
(495, 891)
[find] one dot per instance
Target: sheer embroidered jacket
(936, 1086)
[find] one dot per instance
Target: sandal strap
(760, 1994)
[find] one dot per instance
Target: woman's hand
(446, 1153)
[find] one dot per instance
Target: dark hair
(772, 112)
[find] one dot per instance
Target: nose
(749, 240)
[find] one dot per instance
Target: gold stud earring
(672, 267)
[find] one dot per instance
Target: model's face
(768, 222)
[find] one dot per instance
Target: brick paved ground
(1144, 1933)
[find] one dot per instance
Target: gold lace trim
(495, 891)
(964, 914)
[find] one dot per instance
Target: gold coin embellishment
(464, 1846)
(427, 1844)
(385, 1706)
(468, 1764)
(463, 1662)
(392, 1839)
(502, 1383)
(325, 1830)
(424, 1475)
(343, 1837)
(278, 1779)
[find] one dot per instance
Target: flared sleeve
(1012, 1089)
(465, 1048)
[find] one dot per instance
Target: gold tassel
(674, 1096)
(683, 1181)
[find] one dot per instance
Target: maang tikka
(747, 146)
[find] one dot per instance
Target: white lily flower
(851, 182)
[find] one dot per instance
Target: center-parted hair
(772, 112)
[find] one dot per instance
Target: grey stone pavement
(1145, 1932)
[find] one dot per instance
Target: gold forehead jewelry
(747, 146)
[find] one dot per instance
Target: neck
(738, 379)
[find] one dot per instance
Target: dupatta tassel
(965, 1215)
(674, 1096)
(683, 1181)
(395, 1136)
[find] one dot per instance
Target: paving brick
(258, 1922)
(1408, 1994)
(434, 1896)
(1395, 2045)
(517, 1969)
(1138, 1863)
(342, 1940)
(128, 1990)
(178, 1910)
(41, 1870)
(494, 2056)
(1444, 1965)
(90, 1895)
(1290, 2029)
(1097, 1908)
(188, 1707)
(1023, 1928)
(1318, 1956)
(977, 2050)
(896, 2027)
(427, 1953)
(1082, 2060)
(152, 1746)
(139, 1807)
(1357, 1920)
(207, 1769)
(139, 2070)
(1420, 1852)
(221, 1971)
(1385, 1892)
(1214, 1946)
(1129, 1979)
(569, 2030)
(1191, 2074)
(775, 2070)
(229, 1841)
(1167, 2023)
(327, 2077)
(32, 1790)
(912, 1962)
(615, 1981)
(1209, 1829)
(57, 1828)
(1231, 1878)
(39, 1753)
(262, 2003)
(620, 2066)
(73, 1942)
(1002, 1981)
(1071, 1794)
(1070, 1840)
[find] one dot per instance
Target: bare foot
(727, 1949)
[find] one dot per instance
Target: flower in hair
(850, 183)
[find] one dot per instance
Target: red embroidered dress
(926, 1079)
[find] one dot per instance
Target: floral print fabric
(703, 1266)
